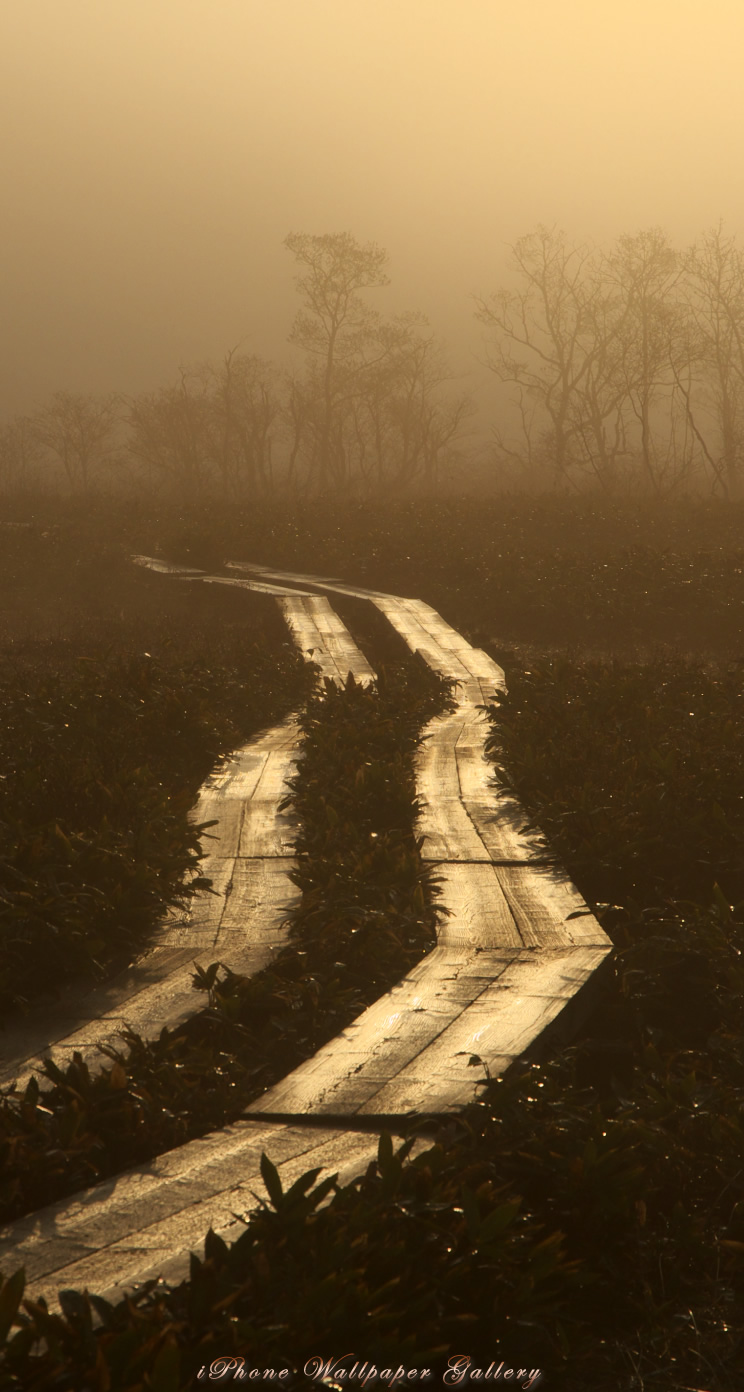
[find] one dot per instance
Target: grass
(102, 753)
(613, 578)
(587, 1216)
(120, 690)
(636, 771)
(365, 916)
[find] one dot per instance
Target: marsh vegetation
(587, 1213)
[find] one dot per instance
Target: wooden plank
(226, 807)
(448, 832)
(258, 586)
(110, 1236)
(491, 677)
(266, 830)
(501, 1025)
(126, 1204)
(382, 1044)
(252, 932)
(164, 567)
(419, 639)
(326, 581)
(498, 818)
(437, 773)
(547, 908)
(501, 825)
(398, 1031)
(462, 817)
(421, 626)
(261, 895)
(338, 641)
(317, 630)
(480, 921)
(479, 914)
(475, 772)
(301, 622)
(419, 620)
(432, 622)
(98, 1013)
(443, 821)
(322, 635)
(197, 925)
(443, 648)
(231, 922)
(256, 772)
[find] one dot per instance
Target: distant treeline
(620, 369)
(625, 366)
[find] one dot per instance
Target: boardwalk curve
(249, 857)
(518, 945)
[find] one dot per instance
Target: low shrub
(366, 916)
(101, 755)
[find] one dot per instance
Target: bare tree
(598, 406)
(535, 338)
(714, 285)
(644, 271)
(245, 408)
(21, 455)
(78, 431)
(335, 328)
(169, 433)
(406, 424)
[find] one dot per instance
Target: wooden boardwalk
(144, 1224)
(249, 858)
(517, 946)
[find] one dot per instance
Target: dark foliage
(636, 771)
(364, 918)
(587, 1217)
(101, 756)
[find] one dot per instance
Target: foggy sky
(155, 153)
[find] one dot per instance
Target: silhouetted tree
(79, 432)
(245, 408)
(336, 328)
(406, 426)
(714, 285)
(535, 339)
(644, 271)
(169, 433)
(21, 455)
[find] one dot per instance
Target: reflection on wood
(322, 637)
(248, 858)
(164, 567)
(145, 1223)
(499, 896)
(517, 945)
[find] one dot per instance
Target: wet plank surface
(240, 921)
(516, 946)
(323, 638)
(146, 1222)
(164, 567)
(248, 859)
(507, 912)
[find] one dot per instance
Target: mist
(157, 155)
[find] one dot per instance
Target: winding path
(518, 945)
(249, 856)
